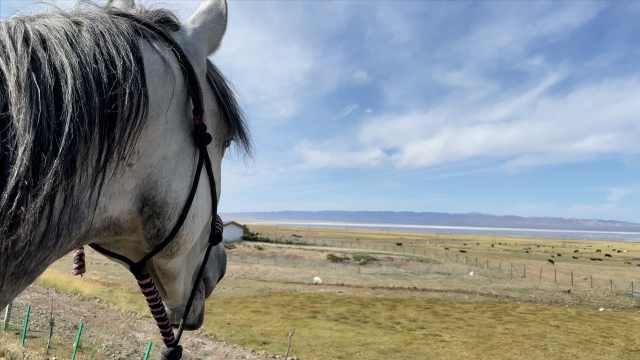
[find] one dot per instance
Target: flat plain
(393, 295)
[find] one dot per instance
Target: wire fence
(43, 331)
(432, 260)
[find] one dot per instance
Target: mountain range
(437, 219)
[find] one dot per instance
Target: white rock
(471, 273)
(601, 309)
(317, 280)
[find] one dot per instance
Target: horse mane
(73, 102)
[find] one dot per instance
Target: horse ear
(208, 24)
(122, 4)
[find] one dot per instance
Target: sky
(524, 108)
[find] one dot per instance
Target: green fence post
(76, 343)
(7, 317)
(25, 326)
(147, 350)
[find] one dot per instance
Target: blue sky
(527, 108)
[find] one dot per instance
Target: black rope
(202, 138)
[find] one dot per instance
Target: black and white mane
(73, 102)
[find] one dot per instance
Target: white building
(233, 231)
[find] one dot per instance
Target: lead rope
(151, 294)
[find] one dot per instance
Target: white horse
(96, 146)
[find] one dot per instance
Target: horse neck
(21, 262)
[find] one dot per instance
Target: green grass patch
(331, 326)
(341, 326)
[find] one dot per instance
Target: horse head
(120, 170)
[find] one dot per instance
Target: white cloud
(532, 128)
(360, 76)
(348, 110)
(549, 116)
(325, 155)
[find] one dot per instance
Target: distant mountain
(438, 219)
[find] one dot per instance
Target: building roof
(234, 223)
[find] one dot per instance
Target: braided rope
(79, 267)
(151, 294)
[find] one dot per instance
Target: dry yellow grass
(266, 293)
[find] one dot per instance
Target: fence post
(25, 325)
(7, 317)
(611, 285)
(147, 350)
(572, 279)
(540, 276)
(76, 343)
(51, 325)
(524, 271)
(591, 281)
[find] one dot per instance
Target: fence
(535, 272)
(39, 330)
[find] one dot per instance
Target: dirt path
(114, 334)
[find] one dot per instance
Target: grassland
(414, 301)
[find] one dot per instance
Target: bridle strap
(137, 266)
(201, 138)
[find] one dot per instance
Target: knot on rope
(79, 267)
(216, 237)
(172, 353)
(200, 134)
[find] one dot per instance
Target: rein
(201, 138)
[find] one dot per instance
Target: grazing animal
(398, 244)
(558, 254)
(607, 255)
(97, 147)
(628, 262)
(575, 257)
(619, 251)
(462, 251)
(317, 280)
(526, 251)
(595, 259)
(576, 251)
(551, 261)
(598, 250)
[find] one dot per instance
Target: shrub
(337, 258)
(251, 236)
(363, 259)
